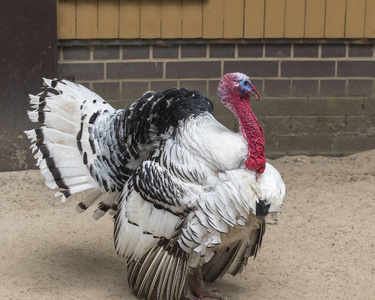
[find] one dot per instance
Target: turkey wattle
(187, 193)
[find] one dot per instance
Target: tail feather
(63, 147)
(233, 258)
(160, 273)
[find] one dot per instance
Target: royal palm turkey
(189, 196)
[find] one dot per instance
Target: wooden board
(192, 18)
(87, 19)
(254, 19)
(171, 19)
(213, 17)
(274, 19)
(129, 19)
(315, 18)
(150, 19)
(66, 19)
(233, 19)
(335, 19)
(108, 19)
(355, 18)
(294, 18)
(370, 19)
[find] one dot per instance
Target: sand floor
(321, 248)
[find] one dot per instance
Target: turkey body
(175, 178)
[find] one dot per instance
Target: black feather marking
(93, 117)
(79, 135)
(104, 207)
(54, 83)
(52, 91)
(44, 150)
(67, 194)
(41, 117)
(85, 158)
(262, 208)
(82, 206)
(79, 146)
(105, 185)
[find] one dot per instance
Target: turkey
(189, 196)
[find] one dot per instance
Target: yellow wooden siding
(150, 19)
(192, 19)
(129, 19)
(315, 18)
(233, 19)
(370, 19)
(254, 19)
(274, 19)
(213, 16)
(335, 18)
(294, 18)
(66, 19)
(171, 19)
(108, 26)
(87, 19)
(215, 19)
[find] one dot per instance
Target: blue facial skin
(245, 87)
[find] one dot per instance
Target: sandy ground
(321, 248)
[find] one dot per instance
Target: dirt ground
(321, 248)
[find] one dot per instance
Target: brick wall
(317, 98)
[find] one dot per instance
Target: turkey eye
(246, 83)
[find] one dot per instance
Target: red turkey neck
(253, 134)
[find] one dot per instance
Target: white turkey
(189, 195)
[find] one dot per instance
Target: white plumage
(187, 193)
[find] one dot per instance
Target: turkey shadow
(67, 268)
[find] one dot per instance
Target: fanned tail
(63, 147)
(160, 273)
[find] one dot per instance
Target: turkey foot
(197, 291)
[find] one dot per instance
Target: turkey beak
(254, 92)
